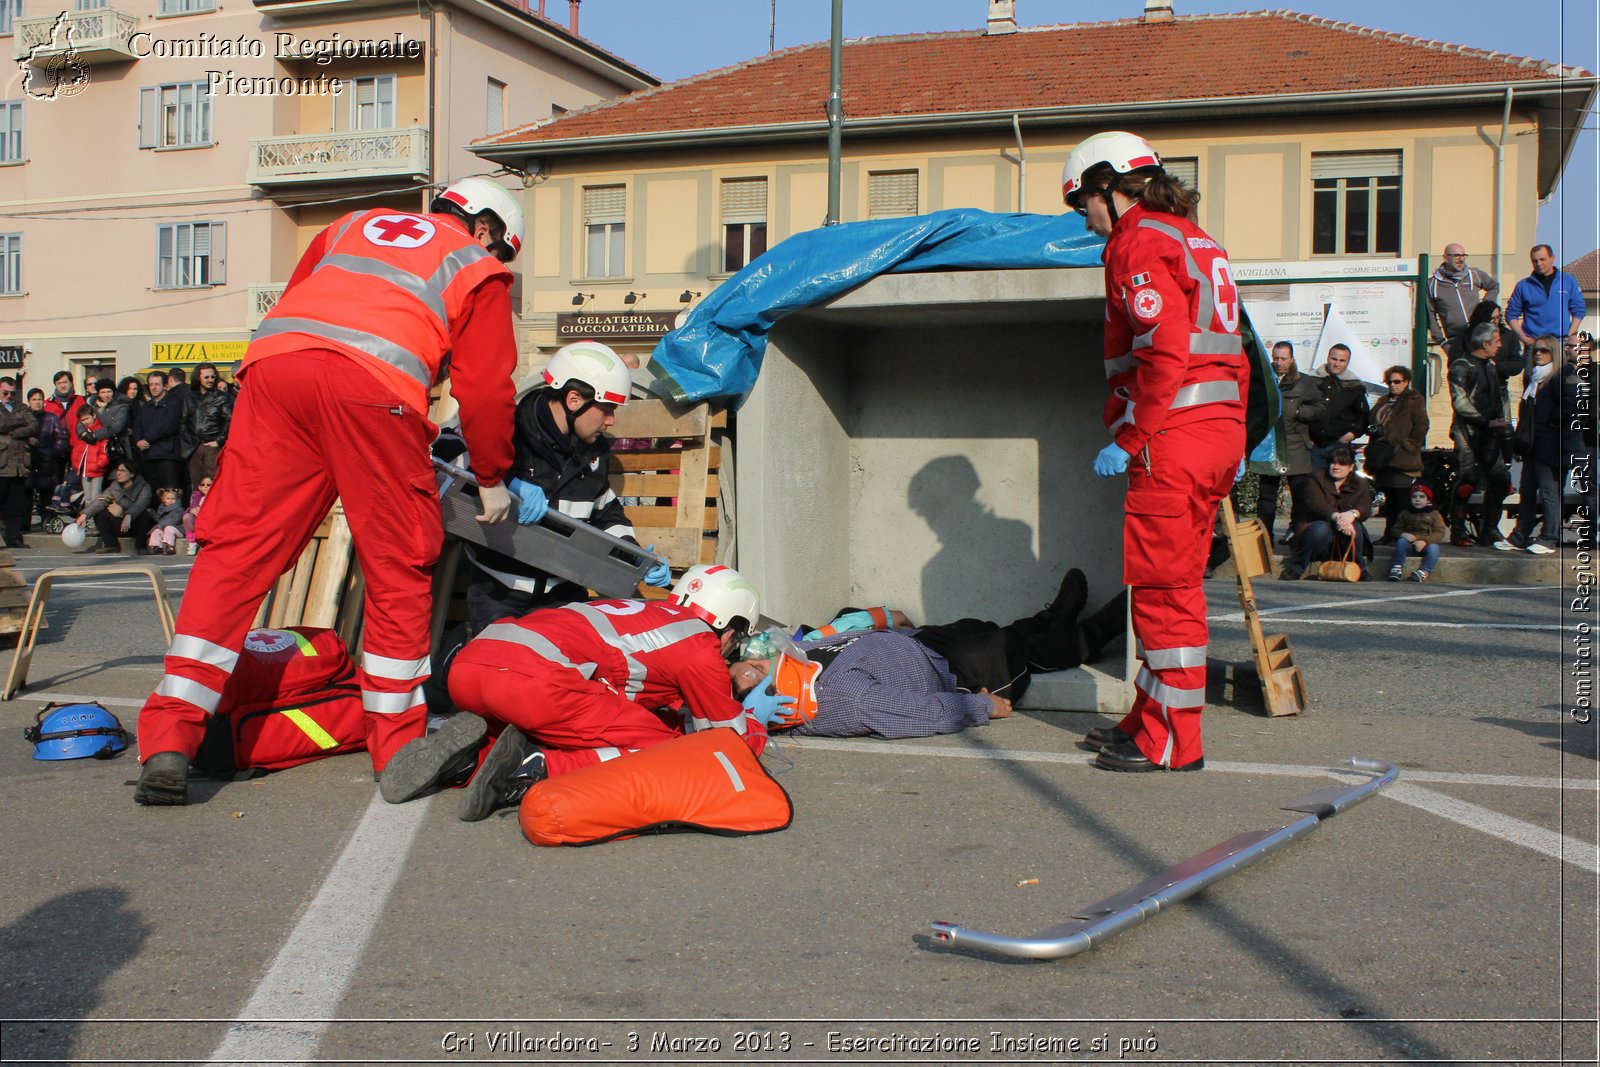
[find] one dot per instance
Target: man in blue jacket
(1548, 301)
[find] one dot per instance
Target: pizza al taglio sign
(222, 353)
(614, 326)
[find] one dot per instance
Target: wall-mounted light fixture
(578, 299)
(686, 296)
(633, 297)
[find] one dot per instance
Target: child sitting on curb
(1419, 527)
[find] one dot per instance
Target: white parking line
(286, 1017)
(1407, 623)
(1581, 854)
(1364, 602)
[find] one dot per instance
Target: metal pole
(835, 110)
(1500, 185)
(772, 27)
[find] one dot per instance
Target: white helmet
(473, 195)
(719, 595)
(596, 366)
(1123, 151)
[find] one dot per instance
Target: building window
(175, 116)
(186, 7)
(604, 223)
(9, 10)
(88, 5)
(371, 102)
(494, 119)
(744, 221)
(10, 131)
(1355, 203)
(190, 255)
(1184, 168)
(891, 194)
(11, 264)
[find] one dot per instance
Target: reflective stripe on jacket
(387, 291)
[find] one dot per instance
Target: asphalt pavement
(296, 918)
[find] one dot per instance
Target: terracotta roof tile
(1192, 57)
(1587, 270)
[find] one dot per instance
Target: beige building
(164, 162)
(1321, 149)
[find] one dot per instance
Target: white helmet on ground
(473, 195)
(719, 595)
(596, 366)
(1124, 152)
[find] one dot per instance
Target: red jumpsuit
(591, 681)
(1178, 377)
(333, 407)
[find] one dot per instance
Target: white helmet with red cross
(1124, 152)
(719, 595)
(473, 195)
(596, 366)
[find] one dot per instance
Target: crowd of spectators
(131, 459)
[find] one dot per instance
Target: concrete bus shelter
(925, 441)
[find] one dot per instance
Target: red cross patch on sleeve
(1147, 303)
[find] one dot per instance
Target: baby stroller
(65, 505)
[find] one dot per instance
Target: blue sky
(675, 38)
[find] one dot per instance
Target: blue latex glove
(765, 705)
(1113, 459)
(531, 504)
(660, 575)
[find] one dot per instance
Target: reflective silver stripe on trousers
(408, 363)
(538, 644)
(401, 670)
(1171, 659)
(1205, 393)
(395, 276)
(391, 703)
(202, 651)
(1166, 695)
(190, 692)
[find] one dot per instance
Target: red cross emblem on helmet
(398, 231)
(696, 585)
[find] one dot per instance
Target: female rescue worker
(1178, 378)
(335, 407)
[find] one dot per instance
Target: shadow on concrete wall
(945, 494)
(57, 958)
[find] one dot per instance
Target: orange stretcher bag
(708, 781)
(293, 698)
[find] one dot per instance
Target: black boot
(1070, 598)
(512, 767)
(163, 780)
(1103, 627)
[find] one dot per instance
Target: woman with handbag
(1398, 433)
(1537, 442)
(1338, 501)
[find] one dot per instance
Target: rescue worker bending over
(572, 686)
(1178, 379)
(335, 408)
(560, 461)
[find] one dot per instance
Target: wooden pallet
(323, 588)
(1283, 686)
(14, 594)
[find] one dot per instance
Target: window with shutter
(1184, 168)
(176, 115)
(605, 230)
(11, 264)
(11, 131)
(372, 102)
(744, 221)
(891, 194)
(189, 255)
(1355, 203)
(494, 120)
(9, 10)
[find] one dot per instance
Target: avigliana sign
(614, 326)
(222, 353)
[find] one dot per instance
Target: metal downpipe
(1133, 906)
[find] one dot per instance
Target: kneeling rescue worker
(1178, 379)
(334, 406)
(572, 686)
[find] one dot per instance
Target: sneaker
(171, 550)
(1419, 576)
(511, 768)
(1395, 572)
(1540, 549)
(419, 765)
(163, 780)
(1504, 546)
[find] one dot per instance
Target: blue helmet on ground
(76, 731)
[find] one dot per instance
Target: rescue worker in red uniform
(1178, 379)
(576, 685)
(334, 406)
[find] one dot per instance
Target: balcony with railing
(98, 36)
(262, 300)
(345, 156)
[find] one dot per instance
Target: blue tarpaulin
(717, 352)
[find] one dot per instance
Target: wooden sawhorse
(17, 676)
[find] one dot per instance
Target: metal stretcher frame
(1134, 905)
